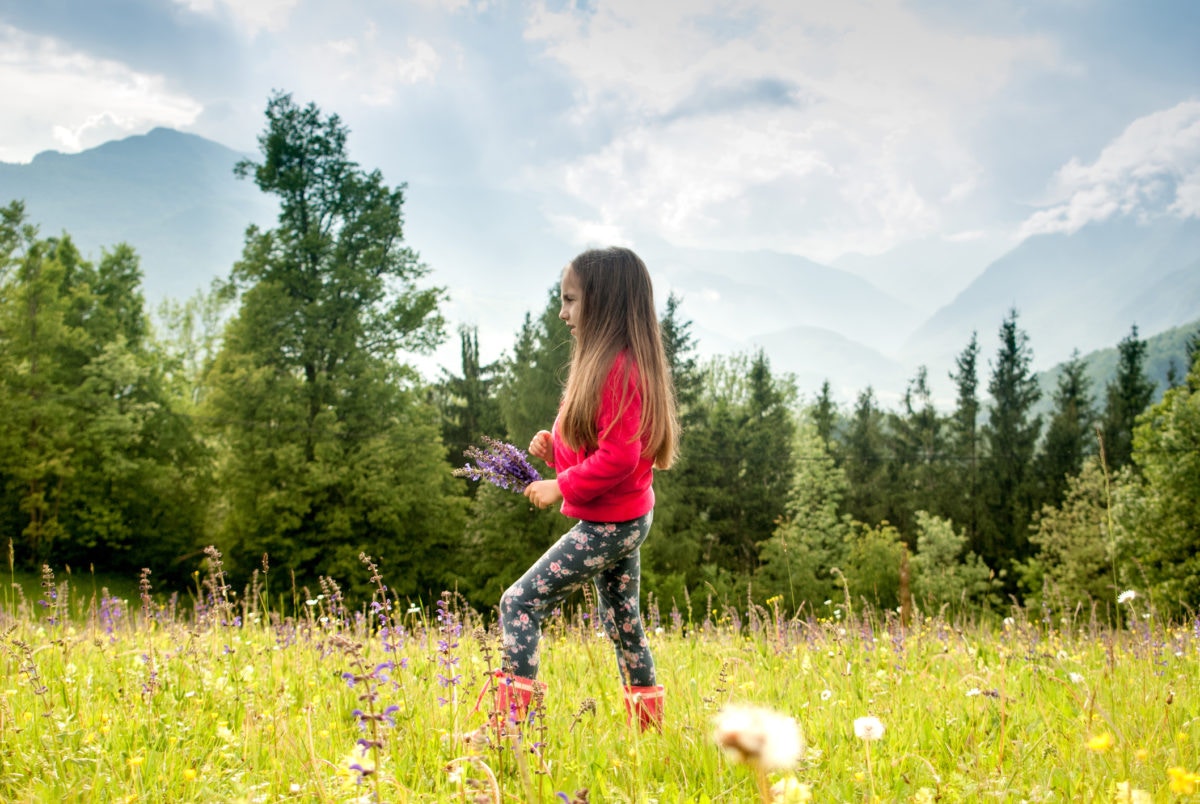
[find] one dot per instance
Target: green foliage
(1163, 508)
(963, 489)
(873, 562)
(945, 574)
(326, 447)
(1125, 398)
(1070, 436)
(467, 401)
(864, 456)
(1076, 559)
(532, 378)
(1010, 437)
(96, 463)
(735, 469)
(813, 537)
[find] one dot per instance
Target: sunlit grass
(223, 698)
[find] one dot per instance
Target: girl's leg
(584, 551)
(618, 588)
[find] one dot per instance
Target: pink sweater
(613, 481)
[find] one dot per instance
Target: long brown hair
(616, 311)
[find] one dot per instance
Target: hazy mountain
(1082, 291)
(172, 196)
(1166, 354)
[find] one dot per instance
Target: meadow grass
(213, 697)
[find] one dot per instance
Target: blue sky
(871, 135)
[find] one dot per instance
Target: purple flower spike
(500, 464)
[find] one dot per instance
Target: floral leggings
(605, 553)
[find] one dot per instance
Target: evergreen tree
(328, 447)
(962, 500)
(824, 414)
(812, 537)
(864, 458)
(1126, 397)
(1010, 438)
(1069, 436)
(468, 402)
(671, 556)
(532, 377)
(737, 468)
(915, 474)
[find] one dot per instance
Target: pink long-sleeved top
(612, 482)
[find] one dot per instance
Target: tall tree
(813, 535)
(824, 413)
(963, 502)
(1070, 437)
(1125, 398)
(468, 401)
(532, 376)
(328, 448)
(669, 563)
(1010, 437)
(93, 454)
(865, 460)
(916, 473)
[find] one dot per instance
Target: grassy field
(216, 697)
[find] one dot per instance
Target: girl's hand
(542, 446)
(543, 493)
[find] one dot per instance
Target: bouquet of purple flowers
(500, 464)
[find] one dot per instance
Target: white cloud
(79, 100)
(251, 17)
(804, 127)
(376, 66)
(1152, 168)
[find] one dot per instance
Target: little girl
(616, 424)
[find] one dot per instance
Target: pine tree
(468, 401)
(1010, 438)
(1126, 397)
(1070, 437)
(963, 500)
(864, 459)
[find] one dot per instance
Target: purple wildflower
(500, 464)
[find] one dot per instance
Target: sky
(869, 135)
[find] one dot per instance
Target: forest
(277, 418)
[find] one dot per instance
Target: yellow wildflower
(189, 774)
(1183, 782)
(1100, 743)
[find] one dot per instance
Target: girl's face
(572, 296)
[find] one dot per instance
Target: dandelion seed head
(868, 728)
(759, 736)
(1126, 596)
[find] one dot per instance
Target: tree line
(275, 417)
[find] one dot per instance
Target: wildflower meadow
(274, 693)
